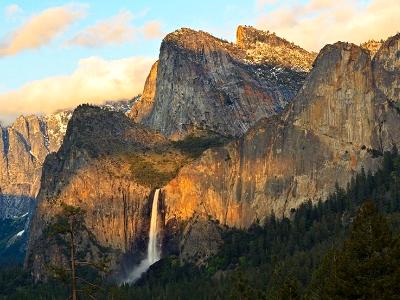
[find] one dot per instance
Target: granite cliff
(108, 166)
(204, 83)
(24, 146)
(342, 120)
(344, 117)
(264, 47)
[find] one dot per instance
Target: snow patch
(23, 216)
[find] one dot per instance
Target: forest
(344, 247)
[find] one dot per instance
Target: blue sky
(57, 54)
(219, 17)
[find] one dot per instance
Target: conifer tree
(364, 267)
(66, 227)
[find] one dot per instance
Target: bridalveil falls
(153, 248)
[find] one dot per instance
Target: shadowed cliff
(342, 119)
(202, 82)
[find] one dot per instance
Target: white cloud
(40, 29)
(12, 10)
(94, 81)
(115, 30)
(318, 22)
(152, 30)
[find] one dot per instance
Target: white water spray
(153, 249)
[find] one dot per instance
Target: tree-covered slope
(287, 258)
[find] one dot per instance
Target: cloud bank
(115, 30)
(94, 81)
(40, 29)
(319, 22)
(152, 30)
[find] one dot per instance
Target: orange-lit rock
(326, 135)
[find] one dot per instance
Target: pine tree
(365, 267)
(67, 226)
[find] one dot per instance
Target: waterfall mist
(153, 248)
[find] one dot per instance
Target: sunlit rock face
(372, 46)
(264, 47)
(342, 118)
(387, 69)
(24, 146)
(345, 112)
(93, 170)
(202, 82)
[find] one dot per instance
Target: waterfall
(153, 249)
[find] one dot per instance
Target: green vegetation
(156, 168)
(16, 284)
(279, 259)
(346, 247)
(367, 266)
(194, 145)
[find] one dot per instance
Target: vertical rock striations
(95, 170)
(202, 82)
(23, 148)
(344, 115)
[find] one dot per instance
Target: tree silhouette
(67, 226)
(365, 266)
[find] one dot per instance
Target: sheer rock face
(92, 170)
(387, 69)
(23, 148)
(201, 82)
(144, 106)
(344, 110)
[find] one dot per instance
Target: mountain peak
(372, 46)
(264, 47)
(247, 36)
(199, 42)
(203, 82)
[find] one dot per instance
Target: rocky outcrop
(201, 239)
(24, 146)
(344, 116)
(144, 106)
(264, 47)
(342, 119)
(99, 168)
(386, 65)
(372, 46)
(202, 82)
